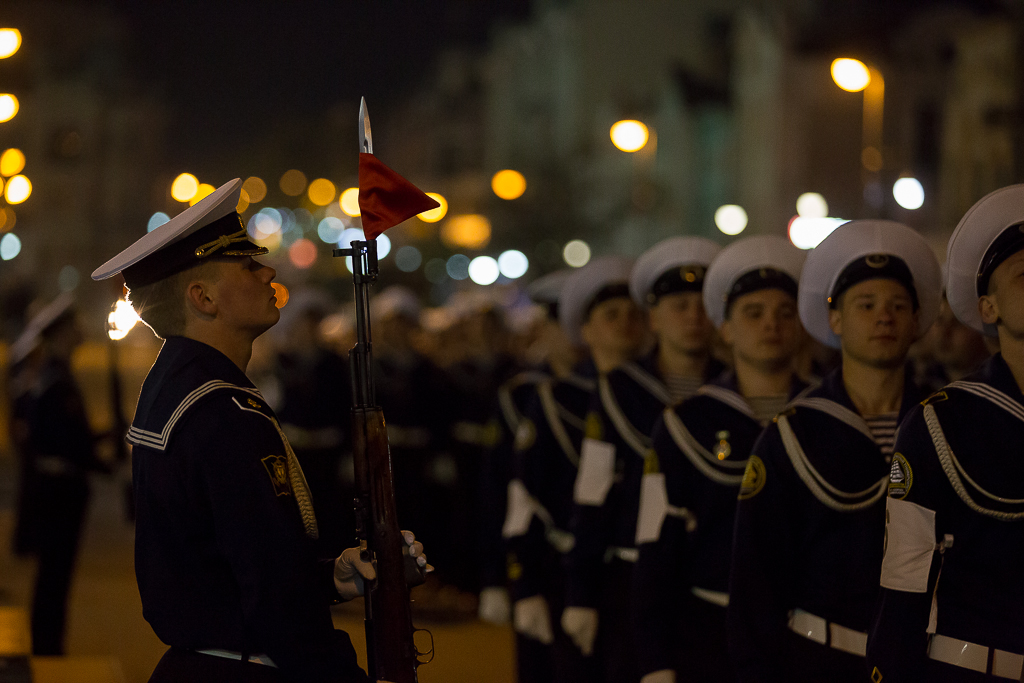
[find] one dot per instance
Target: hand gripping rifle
(391, 652)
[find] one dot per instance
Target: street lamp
(629, 135)
(853, 75)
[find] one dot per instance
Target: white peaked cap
(219, 204)
(583, 285)
(978, 229)
(855, 240)
(674, 252)
(742, 257)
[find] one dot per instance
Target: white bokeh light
(383, 246)
(156, 220)
(576, 253)
(513, 264)
(811, 205)
(10, 246)
(807, 233)
(731, 219)
(483, 270)
(908, 193)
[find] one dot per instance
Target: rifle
(391, 653)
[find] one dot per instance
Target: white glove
(494, 607)
(580, 624)
(531, 618)
(663, 676)
(351, 572)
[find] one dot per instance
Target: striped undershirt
(682, 387)
(767, 407)
(883, 428)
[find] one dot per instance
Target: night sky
(233, 73)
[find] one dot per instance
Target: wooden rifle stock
(391, 653)
(390, 650)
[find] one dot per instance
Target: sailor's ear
(988, 307)
(199, 296)
(835, 321)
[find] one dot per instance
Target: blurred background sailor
(59, 454)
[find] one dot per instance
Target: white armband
(597, 469)
(909, 546)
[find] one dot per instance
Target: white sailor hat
(990, 232)
(211, 227)
(867, 250)
(673, 265)
(47, 316)
(545, 290)
(604, 278)
(749, 265)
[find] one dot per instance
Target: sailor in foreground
(668, 279)
(810, 517)
(952, 604)
(595, 311)
(693, 474)
(224, 547)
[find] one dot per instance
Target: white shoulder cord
(637, 441)
(508, 409)
(697, 454)
(728, 397)
(951, 466)
(296, 478)
(814, 481)
(550, 407)
(839, 412)
(649, 382)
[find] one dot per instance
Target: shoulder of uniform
(155, 430)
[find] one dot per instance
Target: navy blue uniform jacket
(221, 554)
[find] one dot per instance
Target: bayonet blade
(365, 136)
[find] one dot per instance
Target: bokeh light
(908, 193)
(156, 220)
(508, 184)
(513, 264)
(184, 187)
(10, 246)
(466, 231)
(731, 219)
(255, 188)
(408, 258)
(243, 201)
(8, 107)
(629, 136)
(434, 215)
(121, 320)
(293, 182)
(12, 162)
(7, 219)
(281, 294)
(850, 74)
(329, 229)
(483, 270)
(68, 278)
(457, 267)
(264, 223)
(10, 41)
(383, 246)
(811, 205)
(302, 253)
(18, 189)
(350, 235)
(322, 191)
(349, 201)
(576, 253)
(204, 190)
(807, 233)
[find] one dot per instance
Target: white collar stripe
(648, 381)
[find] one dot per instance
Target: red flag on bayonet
(386, 198)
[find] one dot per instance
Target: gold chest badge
(277, 468)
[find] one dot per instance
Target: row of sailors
(670, 521)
